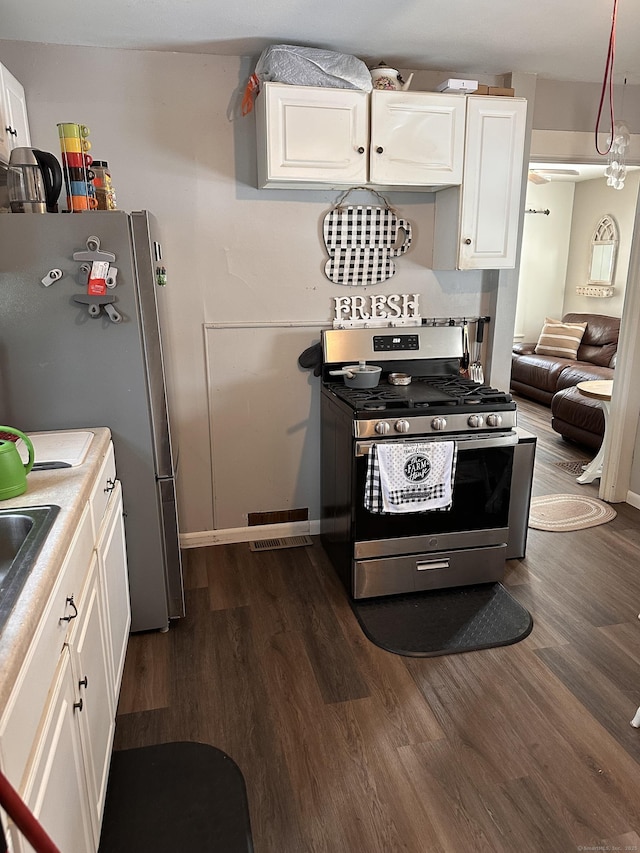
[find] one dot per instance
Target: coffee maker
(34, 181)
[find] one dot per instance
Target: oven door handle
(509, 439)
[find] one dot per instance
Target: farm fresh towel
(407, 477)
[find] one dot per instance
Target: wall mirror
(604, 247)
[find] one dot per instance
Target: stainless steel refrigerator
(66, 362)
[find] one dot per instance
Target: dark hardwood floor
(346, 748)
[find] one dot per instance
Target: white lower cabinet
(55, 789)
(56, 734)
(95, 710)
(112, 560)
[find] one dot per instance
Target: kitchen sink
(22, 535)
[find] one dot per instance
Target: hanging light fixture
(618, 141)
(619, 138)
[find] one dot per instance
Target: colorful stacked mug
(76, 162)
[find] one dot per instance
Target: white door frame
(625, 403)
(622, 428)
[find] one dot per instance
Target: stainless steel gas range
(379, 553)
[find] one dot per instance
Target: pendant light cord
(608, 75)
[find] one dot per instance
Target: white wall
(169, 127)
(543, 262)
(594, 199)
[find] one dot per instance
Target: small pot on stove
(399, 379)
(361, 375)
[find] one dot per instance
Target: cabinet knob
(467, 242)
(71, 602)
(78, 705)
(111, 484)
(379, 149)
(361, 150)
(84, 682)
(11, 131)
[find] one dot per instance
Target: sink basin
(22, 535)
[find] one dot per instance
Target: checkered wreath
(361, 242)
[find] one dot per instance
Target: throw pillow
(560, 340)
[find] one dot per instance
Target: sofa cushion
(539, 371)
(600, 341)
(524, 349)
(560, 340)
(577, 417)
(582, 371)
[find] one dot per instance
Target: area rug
(573, 467)
(568, 512)
(173, 797)
(444, 621)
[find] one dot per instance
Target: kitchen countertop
(68, 488)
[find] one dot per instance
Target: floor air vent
(274, 544)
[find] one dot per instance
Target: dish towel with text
(407, 477)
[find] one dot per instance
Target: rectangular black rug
(173, 797)
(444, 621)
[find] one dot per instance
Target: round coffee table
(600, 390)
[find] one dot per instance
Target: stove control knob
(382, 428)
(475, 421)
(494, 420)
(439, 424)
(401, 426)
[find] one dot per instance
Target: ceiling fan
(543, 176)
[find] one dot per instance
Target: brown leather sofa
(551, 380)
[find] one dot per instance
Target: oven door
(479, 515)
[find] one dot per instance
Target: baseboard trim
(249, 534)
(633, 498)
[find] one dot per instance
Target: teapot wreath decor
(361, 241)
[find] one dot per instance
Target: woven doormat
(576, 467)
(561, 513)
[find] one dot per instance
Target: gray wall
(238, 258)
(168, 124)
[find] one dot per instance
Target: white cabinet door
(417, 138)
(114, 580)
(492, 182)
(311, 134)
(476, 225)
(14, 127)
(55, 791)
(92, 674)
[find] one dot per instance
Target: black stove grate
(424, 392)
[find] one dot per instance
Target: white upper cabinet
(417, 138)
(14, 124)
(476, 225)
(312, 135)
(468, 149)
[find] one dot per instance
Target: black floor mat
(172, 797)
(444, 621)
